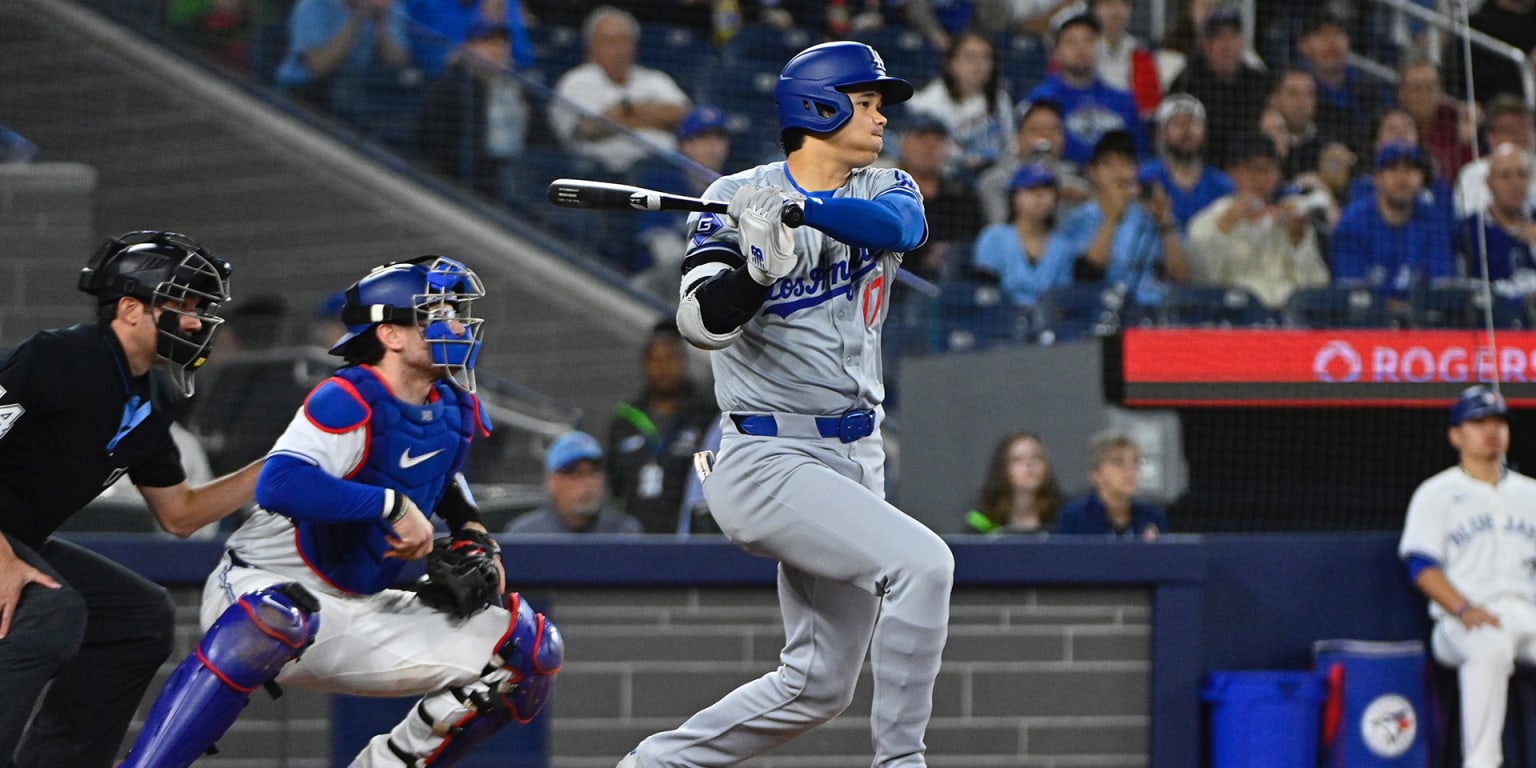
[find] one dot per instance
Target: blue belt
(848, 427)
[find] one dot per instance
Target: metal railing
(1443, 21)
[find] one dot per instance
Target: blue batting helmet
(818, 79)
(1477, 402)
(432, 292)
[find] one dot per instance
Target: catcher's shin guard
(447, 725)
(244, 649)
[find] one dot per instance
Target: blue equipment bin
(1377, 713)
(1263, 719)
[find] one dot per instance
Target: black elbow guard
(728, 300)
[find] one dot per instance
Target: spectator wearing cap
(949, 197)
(1116, 241)
(1393, 242)
(439, 27)
(1351, 97)
(1089, 107)
(475, 119)
(1396, 126)
(1121, 60)
(1244, 240)
(1507, 121)
(1039, 139)
(704, 142)
(968, 96)
(1232, 90)
(1179, 172)
(573, 478)
(1506, 231)
(1021, 254)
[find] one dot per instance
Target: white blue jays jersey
(1483, 536)
(814, 346)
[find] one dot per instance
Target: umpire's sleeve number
(9, 414)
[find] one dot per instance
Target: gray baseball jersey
(814, 347)
(857, 576)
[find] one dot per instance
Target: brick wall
(1036, 677)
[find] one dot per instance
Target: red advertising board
(1310, 368)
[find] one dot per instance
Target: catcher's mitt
(461, 576)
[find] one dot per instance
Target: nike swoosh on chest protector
(407, 460)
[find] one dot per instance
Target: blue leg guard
(447, 725)
(244, 649)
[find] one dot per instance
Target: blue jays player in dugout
(302, 595)
(793, 318)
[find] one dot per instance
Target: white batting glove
(766, 242)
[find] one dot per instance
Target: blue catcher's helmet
(819, 78)
(170, 271)
(432, 292)
(1478, 402)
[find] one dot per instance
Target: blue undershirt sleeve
(293, 487)
(892, 222)
(1417, 564)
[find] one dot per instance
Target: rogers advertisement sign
(1338, 367)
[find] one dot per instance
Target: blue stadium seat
(1447, 307)
(681, 52)
(765, 44)
(1211, 306)
(1337, 307)
(1076, 311)
(555, 50)
(975, 314)
(1022, 63)
(906, 52)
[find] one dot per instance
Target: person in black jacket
(79, 408)
(475, 117)
(652, 439)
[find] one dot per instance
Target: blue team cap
(330, 306)
(1032, 175)
(701, 119)
(924, 122)
(1477, 402)
(1397, 152)
(570, 448)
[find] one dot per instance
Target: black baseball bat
(607, 196)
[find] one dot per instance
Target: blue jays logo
(1389, 725)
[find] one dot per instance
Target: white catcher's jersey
(814, 347)
(1483, 536)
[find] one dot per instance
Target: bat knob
(793, 215)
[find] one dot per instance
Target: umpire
(79, 408)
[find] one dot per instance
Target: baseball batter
(302, 594)
(1470, 546)
(794, 318)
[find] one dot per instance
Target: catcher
(302, 596)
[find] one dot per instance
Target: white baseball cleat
(630, 760)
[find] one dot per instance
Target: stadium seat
(906, 52)
(1337, 307)
(1211, 306)
(1447, 307)
(765, 44)
(555, 50)
(1076, 311)
(975, 314)
(681, 52)
(1022, 63)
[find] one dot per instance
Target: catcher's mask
(171, 272)
(434, 293)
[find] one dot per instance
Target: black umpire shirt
(65, 397)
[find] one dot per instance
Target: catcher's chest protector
(412, 448)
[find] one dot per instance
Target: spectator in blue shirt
(1116, 239)
(1506, 230)
(1089, 107)
(339, 40)
(1114, 471)
(1394, 241)
(1180, 170)
(1021, 253)
(438, 27)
